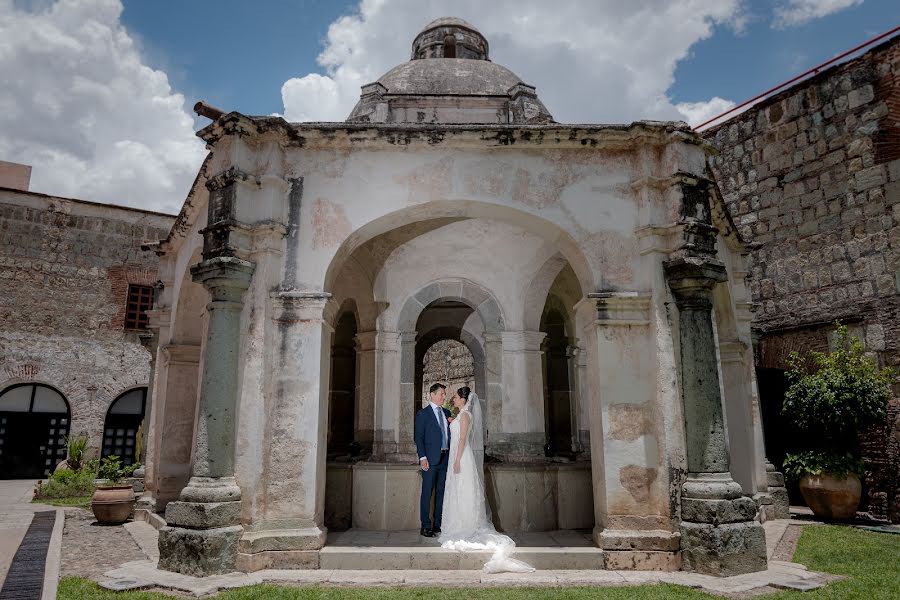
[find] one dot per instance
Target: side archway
(34, 422)
(120, 428)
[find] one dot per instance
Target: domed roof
(449, 22)
(449, 77)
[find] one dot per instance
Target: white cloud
(78, 104)
(798, 12)
(591, 60)
(696, 113)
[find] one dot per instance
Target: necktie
(437, 414)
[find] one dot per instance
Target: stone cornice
(344, 134)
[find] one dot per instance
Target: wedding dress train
(466, 525)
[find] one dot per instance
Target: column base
(719, 532)
(199, 552)
(778, 491)
(203, 528)
(764, 506)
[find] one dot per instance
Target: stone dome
(449, 79)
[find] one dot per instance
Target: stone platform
(403, 550)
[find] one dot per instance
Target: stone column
(387, 394)
(524, 428)
(149, 340)
(409, 404)
(365, 383)
(572, 353)
(291, 524)
(204, 524)
(633, 521)
(719, 533)
(493, 401)
(780, 504)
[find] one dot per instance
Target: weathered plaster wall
(813, 176)
(65, 266)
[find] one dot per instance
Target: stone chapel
(592, 272)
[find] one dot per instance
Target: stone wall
(65, 267)
(812, 176)
(461, 364)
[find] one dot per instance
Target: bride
(466, 519)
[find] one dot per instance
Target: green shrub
(842, 394)
(76, 450)
(66, 484)
(111, 470)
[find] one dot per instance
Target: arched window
(34, 422)
(449, 46)
(123, 419)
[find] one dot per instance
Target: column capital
(225, 277)
(692, 280)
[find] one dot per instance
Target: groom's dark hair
(435, 387)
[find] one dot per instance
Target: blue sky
(238, 55)
(97, 94)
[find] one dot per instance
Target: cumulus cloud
(591, 60)
(78, 104)
(696, 113)
(797, 12)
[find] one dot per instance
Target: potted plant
(830, 399)
(113, 500)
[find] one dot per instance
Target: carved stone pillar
(409, 404)
(719, 533)
(365, 384)
(291, 527)
(204, 524)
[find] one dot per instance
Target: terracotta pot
(113, 504)
(832, 497)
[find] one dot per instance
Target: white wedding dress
(466, 524)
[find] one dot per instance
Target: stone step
(412, 557)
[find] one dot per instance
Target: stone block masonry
(812, 176)
(65, 268)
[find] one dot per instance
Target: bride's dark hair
(464, 392)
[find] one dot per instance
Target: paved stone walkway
(144, 574)
(16, 513)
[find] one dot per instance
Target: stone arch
(483, 303)
(431, 215)
(120, 428)
(471, 294)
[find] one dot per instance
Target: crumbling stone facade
(812, 177)
(65, 268)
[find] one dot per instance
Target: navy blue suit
(429, 439)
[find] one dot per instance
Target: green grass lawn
(871, 561)
(78, 501)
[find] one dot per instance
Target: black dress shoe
(436, 530)
(426, 532)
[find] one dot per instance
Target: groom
(433, 445)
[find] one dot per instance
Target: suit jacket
(428, 434)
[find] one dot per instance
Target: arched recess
(34, 422)
(175, 401)
(432, 215)
(344, 381)
(560, 408)
(483, 304)
(429, 339)
(123, 419)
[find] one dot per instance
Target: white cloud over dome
(591, 60)
(79, 105)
